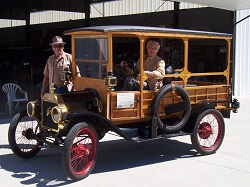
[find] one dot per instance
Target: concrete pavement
(167, 162)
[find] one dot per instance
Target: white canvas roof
(224, 4)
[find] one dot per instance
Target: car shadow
(41, 170)
(47, 169)
(114, 155)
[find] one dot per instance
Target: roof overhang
(223, 4)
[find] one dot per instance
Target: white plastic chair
(11, 90)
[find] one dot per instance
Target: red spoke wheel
(209, 132)
(80, 151)
(22, 132)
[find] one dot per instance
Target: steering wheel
(132, 69)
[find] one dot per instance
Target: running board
(144, 139)
(142, 134)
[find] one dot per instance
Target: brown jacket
(157, 66)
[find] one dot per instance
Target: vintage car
(195, 97)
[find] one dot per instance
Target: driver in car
(153, 66)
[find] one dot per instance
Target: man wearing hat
(54, 67)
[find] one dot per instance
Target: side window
(91, 57)
(172, 51)
(207, 56)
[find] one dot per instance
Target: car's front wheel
(80, 151)
(21, 135)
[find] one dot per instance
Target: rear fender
(195, 112)
(99, 123)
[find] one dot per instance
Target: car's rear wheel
(80, 151)
(208, 132)
(21, 135)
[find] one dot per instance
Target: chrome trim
(32, 103)
(59, 114)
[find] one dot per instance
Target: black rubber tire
(85, 153)
(209, 131)
(166, 128)
(20, 126)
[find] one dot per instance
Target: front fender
(99, 122)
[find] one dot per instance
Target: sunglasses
(58, 46)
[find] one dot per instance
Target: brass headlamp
(57, 113)
(33, 108)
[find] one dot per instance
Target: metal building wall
(115, 8)
(127, 7)
(54, 16)
(11, 23)
(242, 54)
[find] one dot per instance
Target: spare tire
(162, 105)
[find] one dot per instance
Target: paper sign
(125, 100)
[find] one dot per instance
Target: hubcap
(28, 134)
(205, 130)
(80, 150)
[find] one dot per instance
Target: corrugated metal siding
(115, 8)
(54, 16)
(127, 7)
(11, 23)
(242, 54)
(190, 5)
